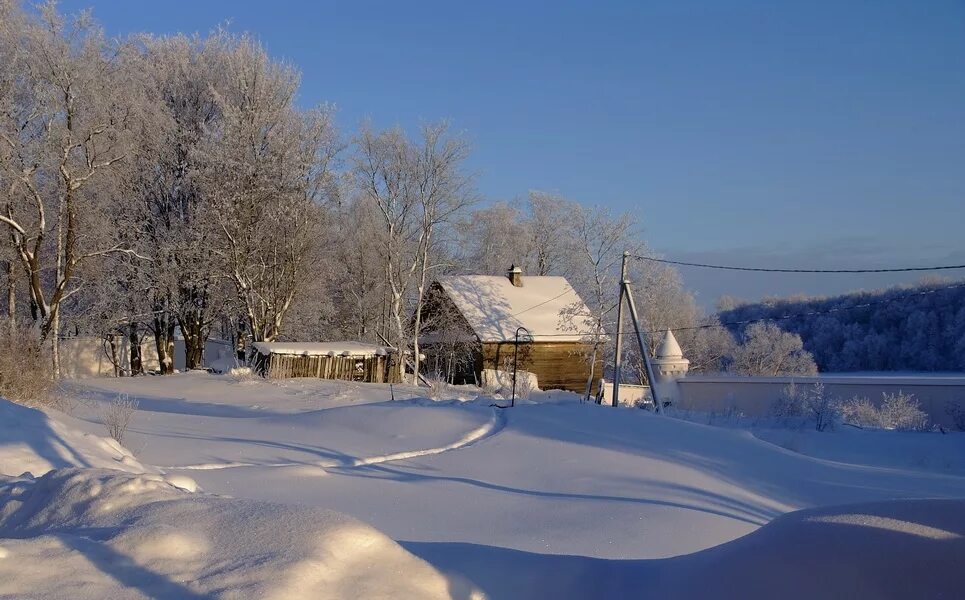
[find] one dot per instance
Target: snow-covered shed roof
(494, 307)
(322, 348)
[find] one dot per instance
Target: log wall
(557, 365)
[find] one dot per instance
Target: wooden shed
(488, 311)
(349, 361)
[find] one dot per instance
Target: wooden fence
(369, 368)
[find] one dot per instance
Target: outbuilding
(350, 361)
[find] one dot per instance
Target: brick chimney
(515, 275)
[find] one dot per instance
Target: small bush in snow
(242, 374)
(25, 370)
(861, 412)
(117, 416)
(524, 387)
(809, 404)
(791, 403)
(903, 412)
(897, 411)
(824, 409)
(439, 388)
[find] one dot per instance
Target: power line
(768, 270)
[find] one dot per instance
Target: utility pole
(618, 367)
(643, 351)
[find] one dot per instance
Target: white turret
(669, 363)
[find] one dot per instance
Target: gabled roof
(494, 307)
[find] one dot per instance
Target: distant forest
(909, 328)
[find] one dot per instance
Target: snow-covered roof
(322, 348)
(494, 307)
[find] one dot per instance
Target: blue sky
(802, 134)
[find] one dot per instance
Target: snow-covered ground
(549, 499)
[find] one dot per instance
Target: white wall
(755, 396)
(630, 395)
(90, 357)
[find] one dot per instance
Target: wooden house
(350, 361)
(486, 312)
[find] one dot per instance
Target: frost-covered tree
(417, 188)
(492, 239)
(266, 174)
(552, 252)
(66, 124)
(593, 267)
(767, 351)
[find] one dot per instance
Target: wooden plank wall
(557, 365)
(375, 369)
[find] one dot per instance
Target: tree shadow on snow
(885, 550)
(37, 433)
(703, 500)
(182, 406)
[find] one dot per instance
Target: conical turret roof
(669, 348)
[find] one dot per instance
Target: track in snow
(495, 424)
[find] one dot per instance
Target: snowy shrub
(25, 370)
(809, 404)
(243, 375)
(490, 386)
(524, 387)
(897, 411)
(823, 409)
(861, 412)
(791, 403)
(903, 412)
(730, 415)
(439, 388)
(117, 416)
(957, 414)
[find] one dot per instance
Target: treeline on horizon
(919, 327)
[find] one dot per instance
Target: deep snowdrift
(901, 549)
(30, 440)
(94, 533)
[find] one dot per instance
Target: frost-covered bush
(824, 409)
(524, 387)
(118, 414)
(808, 404)
(861, 412)
(25, 370)
(243, 375)
(903, 412)
(791, 403)
(439, 388)
(897, 411)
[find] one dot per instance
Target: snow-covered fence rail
(939, 395)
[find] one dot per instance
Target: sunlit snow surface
(549, 499)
